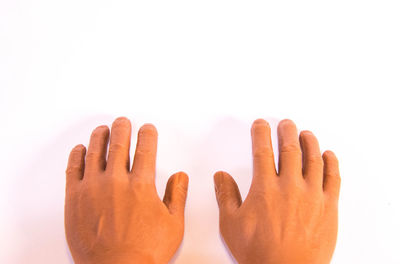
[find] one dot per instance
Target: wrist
(120, 259)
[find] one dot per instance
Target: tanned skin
(113, 214)
(290, 216)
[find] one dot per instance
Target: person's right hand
(290, 217)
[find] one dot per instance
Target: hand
(113, 214)
(287, 218)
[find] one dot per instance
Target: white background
(201, 71)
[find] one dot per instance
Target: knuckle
(315, 160)
(294, 186)
(117, 147)
(333, 175)
(263, 153)
(290, 148)
(75, 151)
(260, 195)
(181, 190)
(92, 155)
(73, 169)
(142, 151)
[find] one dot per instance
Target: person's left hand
(112, 213)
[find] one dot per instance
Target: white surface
(199, 70)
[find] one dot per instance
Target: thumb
(227, 192)
(175, 193)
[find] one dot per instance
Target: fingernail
(182, 178)
(218, 178)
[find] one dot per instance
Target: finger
(263, 155)
(227, 193)
(331, 174)
(76, 165)
(289, 150)
(97, 150)
(144, 163)
(120, 140)
(312, 160)
(176, 192)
